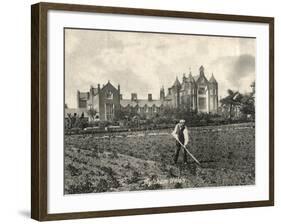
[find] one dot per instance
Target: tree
(125, 114)
(231, 101)
(169, 112)
(248, 105)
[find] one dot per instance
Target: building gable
(109, 88)
(202, 80)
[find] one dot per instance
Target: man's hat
(182, 121)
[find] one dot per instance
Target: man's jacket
(176, 133)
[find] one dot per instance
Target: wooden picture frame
(39, 110)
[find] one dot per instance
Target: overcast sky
(143, 62)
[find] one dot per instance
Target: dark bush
(178, 185)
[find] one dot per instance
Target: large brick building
(194, 93)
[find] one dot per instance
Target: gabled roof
(108, 85)
(189, 83)
(202, 78)
(190, 78)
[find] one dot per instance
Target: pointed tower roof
(212, 79)
(201, 78)
(177, 82)
(183, 77)
(201, 70)
(190, 78)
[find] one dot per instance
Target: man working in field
(181, 134)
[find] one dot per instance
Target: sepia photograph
(157, 111)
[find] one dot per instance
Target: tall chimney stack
(149, 97)
(134, 97)
(119, 88)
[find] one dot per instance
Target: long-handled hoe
(189, 153)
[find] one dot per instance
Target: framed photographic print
(140, 111)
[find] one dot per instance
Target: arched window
(109, 95)
(202, 90)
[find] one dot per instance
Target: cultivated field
(130, 161)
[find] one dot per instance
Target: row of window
(201, 90)
(147, 109)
